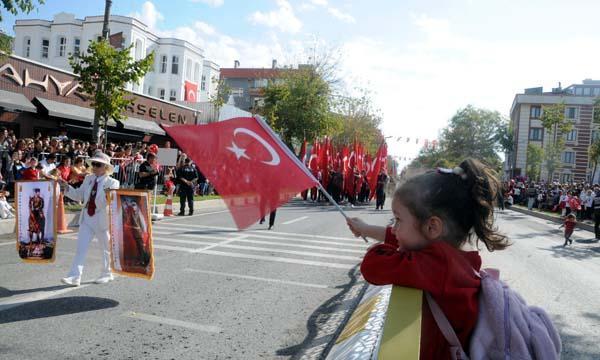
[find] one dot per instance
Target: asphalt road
(223, 294)
(217, 293)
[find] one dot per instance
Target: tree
(505, 137)
(108, 69)
(298, 104)
(220, 97)
(13, 7)
(594, 154)
(556, 124)
(535, 156)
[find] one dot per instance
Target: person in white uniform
(93, 220)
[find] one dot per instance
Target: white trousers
(88, 231)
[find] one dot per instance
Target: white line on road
(22, 299)
(179, 218)
(279, 281)
(174, 248)
(294, 220)
(173, 322)
(8, 243)
(278, 259)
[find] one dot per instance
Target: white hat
(102, 158)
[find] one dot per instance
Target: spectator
(147, 173)
(78, 173)
(48, 165)
(64, 169)
(31, 172)
(186, 177)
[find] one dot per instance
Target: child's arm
(361, 228)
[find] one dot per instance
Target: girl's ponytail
(483, 188)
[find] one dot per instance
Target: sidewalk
(586, 224)
(7, 226)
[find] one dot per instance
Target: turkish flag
(379, 164)
(191, 90)
(253, 171)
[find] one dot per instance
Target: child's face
(407, 228)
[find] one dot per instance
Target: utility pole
(105, 32)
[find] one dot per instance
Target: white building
(177, 62)
(210, 78)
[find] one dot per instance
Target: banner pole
(337, 206)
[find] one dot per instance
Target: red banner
(191, 90)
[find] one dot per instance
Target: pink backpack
(506, 327)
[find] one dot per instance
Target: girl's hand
(357, 226)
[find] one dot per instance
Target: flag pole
(302, 167)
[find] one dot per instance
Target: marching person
(382, 179)
(93, 220)
(186, 177)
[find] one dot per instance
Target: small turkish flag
(249, 166)
(190, 91)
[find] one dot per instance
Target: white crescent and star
(241, 153)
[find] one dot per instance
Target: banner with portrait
(131, 233)
(35, 205)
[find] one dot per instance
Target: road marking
(8, 243)
(287, 282)
(279, 259)
(295, 220)
(174, 248)
(172, 322)
(265, 234)
(252, 241)
(178, 218)
(226, 244)
(23, 299)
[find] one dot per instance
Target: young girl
(569, 226)
(435, 214)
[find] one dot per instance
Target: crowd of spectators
(46, 156)
(576, 198)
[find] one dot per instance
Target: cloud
(213, 3)
(283, 18)
(149, 15)
(333, 11)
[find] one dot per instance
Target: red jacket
(447, 273)
(30, 174)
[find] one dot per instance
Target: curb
(555, 219)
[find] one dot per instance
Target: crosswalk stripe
(172, 223)
(264, 235)
(252, 241)
(279, 259)
(258, 248)
(240, 276)
(174, 248)
(294, 220)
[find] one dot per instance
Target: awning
(80, 113)
(146, 126)
(67, 111)
(15, 101)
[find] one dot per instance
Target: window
(163, 64)
(571, 112)
(595, 135)
(196, 72)
(565, 178)
(173, 95)
(237, 92)
(138, 49)
(572, 135)
(149, 90)
(175, 65)
(535, 112)
(27, 46)
(586, 91)
(536, 134)
(259, 83)
(62, 46)
(596, 91)
(76, 46)
(161, 94)
(188, 69)
(45, 47)
(203, 84)
(568, 157)
(578, 91)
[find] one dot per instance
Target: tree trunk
(593, 172)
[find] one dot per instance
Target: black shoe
(570, 242)
(191, 213)
(180, 214)
(270, 227)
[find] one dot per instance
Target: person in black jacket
(186, 178)
(147, 173)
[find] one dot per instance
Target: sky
(421, 60)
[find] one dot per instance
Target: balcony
(256, 91)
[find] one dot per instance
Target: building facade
(525, 117)
(209, 80)
(178, 67)
(247, 84)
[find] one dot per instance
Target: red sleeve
(390, 238)
(425, 269)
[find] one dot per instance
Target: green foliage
(556, 124)
(505, 137)
(220, 97)
(298, 105)
(535, 156)
(594, 155)
(596, 110)
(14, 7)
(111, 70)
